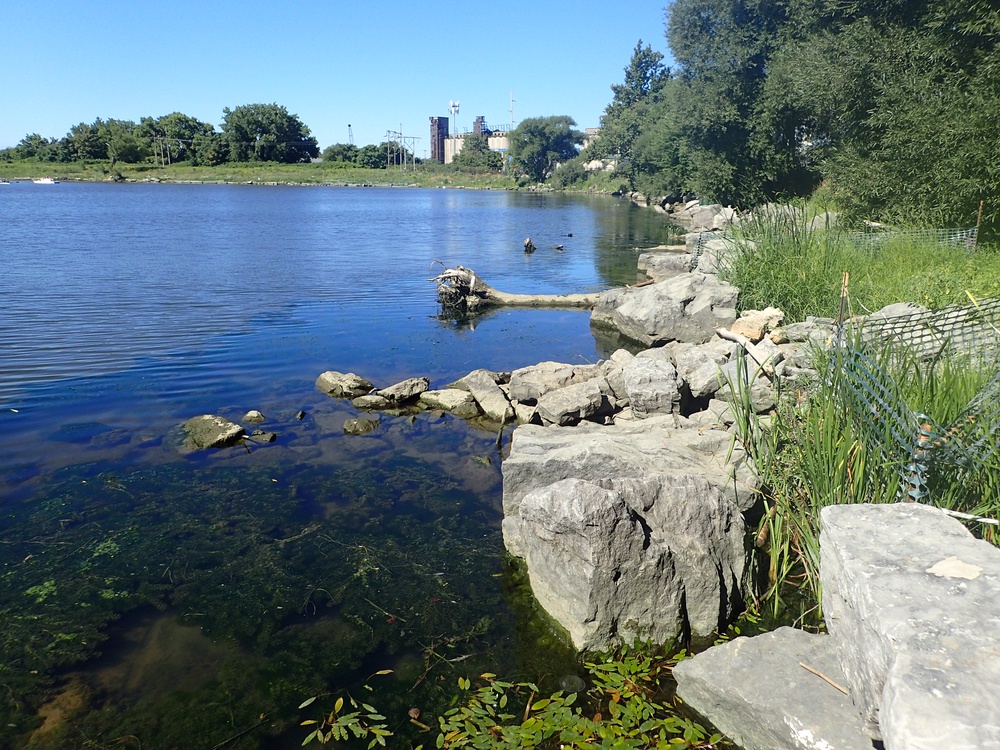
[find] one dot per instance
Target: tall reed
(819, 449)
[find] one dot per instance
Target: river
(164, 595)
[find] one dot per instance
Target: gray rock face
(631, 558)
(664, 264)
(371, 401)
(528, 384)
(211, 431)
(652, 387)
(572, 403)
(688, 307)
(662, 444)
(453, 400)
(755, 692)
(343, 385)
(912, 600)
(703, 217)
(406, 390)
(491, 399)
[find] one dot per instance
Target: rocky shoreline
(629, 500)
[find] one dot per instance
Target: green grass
(818, 450)
(787, 264)
(423, 175)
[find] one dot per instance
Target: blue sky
(377, 66)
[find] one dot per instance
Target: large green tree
(173, 137)
(477, 154)
(341, 152)
(631, 109)
(539, 144)
(267, 132)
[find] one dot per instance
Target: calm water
(143, 588)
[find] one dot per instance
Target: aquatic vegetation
(309, 578)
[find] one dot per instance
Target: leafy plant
(338, 726)
(623, 708)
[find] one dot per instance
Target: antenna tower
(350, 134)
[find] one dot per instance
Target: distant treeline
(253, 132)
(892, 105)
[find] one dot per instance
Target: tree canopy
(539, 144)
(266, 132)
(892, 104)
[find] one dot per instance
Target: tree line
(892, 106)
(252, 132)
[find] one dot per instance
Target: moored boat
(45, 181)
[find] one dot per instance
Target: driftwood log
(462, 289)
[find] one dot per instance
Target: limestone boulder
(664, 264)
(211, 431)
(453, 400)
(405, 391)
(660, 444)
(632, 558)
(491, 399)
(689, 307)
(528, 384)
(573, 403)
(652, 386)
(912, 601)
(343, 385)
(756, 691)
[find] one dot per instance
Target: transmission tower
(350, 134)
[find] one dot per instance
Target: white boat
(45, 181)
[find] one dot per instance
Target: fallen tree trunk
(461, 288)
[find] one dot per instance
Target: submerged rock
(360, 425)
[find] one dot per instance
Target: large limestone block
(689, 307)
(568, 405)
(343, 384)
(211, 431)
(756, 691)
(405, 390)
(664, 264)
(652, 386)
(454, 400)
(528, 384)
(913, 601)
(631, 558)
(491, 399)
(661, 444)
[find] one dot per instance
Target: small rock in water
(300, 416)
(359, 426)
(253, 416)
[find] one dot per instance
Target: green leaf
(339, 705)
(307, 702)
(310, 737)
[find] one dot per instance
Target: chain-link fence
(912, 443)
